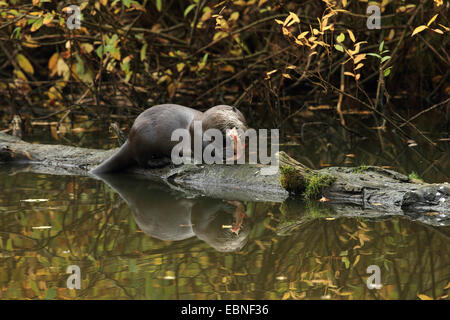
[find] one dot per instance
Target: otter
(149, 143)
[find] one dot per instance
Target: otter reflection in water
(166, 215)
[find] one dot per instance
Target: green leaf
(189, 9)
(387, 72)
(50, 294)
(386, 265)
(385, 58)
(338, 47)
(343, 253)
(144, 52)
(205, 57)
(37, 24)
(80, 66)
(16, 33)
(346, 262)
(35, 287)
(9, 244)
(341, 38)
(99, 51)
(374, 55)
(31, 21)
(159, 5)
(127, 79)
(380, 49)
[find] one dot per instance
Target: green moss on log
(414, 177)
(316, 184)
(310, 183)
(292, 180)
(360, 169)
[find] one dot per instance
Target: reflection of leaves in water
(94, 229)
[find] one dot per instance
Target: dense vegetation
(280, 57)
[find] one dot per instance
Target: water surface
(165, 246)
(135, 239)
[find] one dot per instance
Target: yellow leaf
(331, 26)
(357, 47)
(180, 66)
(432, 20)
(171, 88)
(29, 42)
(356, 260)
(127, 59)
(20, 75)
(86, 47)
(351, 35)
(424, 297)
(391, 35)
(349, 74)
(418, 29)
(261, 2)
(269, 73)
(438, 31)
(294, 17)
(227, 68)
(48, 19)
(52, 62)
(234, 16)
(359, 66)
(62, 67)
(25, 64)
(446, 29)
(302, 35)
(359, 58)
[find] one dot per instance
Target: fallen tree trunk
(364, 191)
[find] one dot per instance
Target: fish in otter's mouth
(237, 142)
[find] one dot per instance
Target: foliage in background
(277, 56)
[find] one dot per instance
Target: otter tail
(120, 160)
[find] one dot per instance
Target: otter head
(231, 122)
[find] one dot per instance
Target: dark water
(133, 239)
